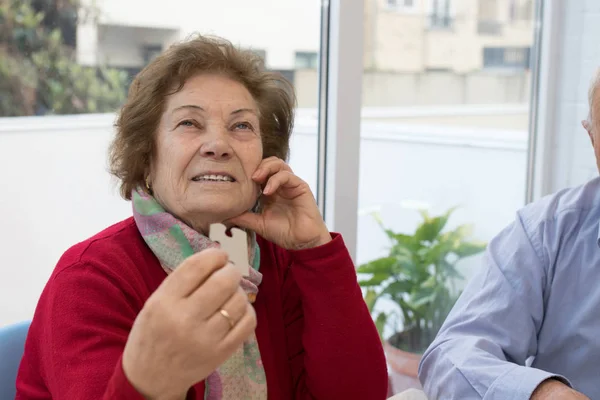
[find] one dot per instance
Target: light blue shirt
(537, 294)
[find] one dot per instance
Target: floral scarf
(242, 376)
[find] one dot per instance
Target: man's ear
(587, 126)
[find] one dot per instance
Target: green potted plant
(419, 275)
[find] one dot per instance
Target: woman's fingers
(210, 297)
(229, 314)
(269, 166)
(249, 220)
(274, 173)
(240, 332)
(193, 272)
(284, 179)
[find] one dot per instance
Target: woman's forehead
(204, 92)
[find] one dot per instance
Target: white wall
(56, 190)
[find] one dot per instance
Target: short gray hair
(594, 87)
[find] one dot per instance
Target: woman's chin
(219, 211)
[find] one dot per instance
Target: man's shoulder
(567, 206)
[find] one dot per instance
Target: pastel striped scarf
(242, 376)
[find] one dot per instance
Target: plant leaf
(430, 228)
(423, 298)
(402, 239)
(380, 322)
(429, 282)
(397, 288)
(375, 280)
(381, 265)
(467, 249)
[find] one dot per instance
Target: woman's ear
(148, 181)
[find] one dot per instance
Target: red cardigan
(316, 337)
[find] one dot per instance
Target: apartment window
(401, 5)
(151, 51)
(521, 10)
(307, 60)
(440, 17)
(506, 57)
(488, 21)
(288, 74)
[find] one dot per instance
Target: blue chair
(12, 343)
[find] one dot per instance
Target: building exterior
(461, 36)
(476, 50)
(400, 35)
(127, 33)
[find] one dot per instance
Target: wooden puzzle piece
(235, 245)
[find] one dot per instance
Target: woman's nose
(216, 147)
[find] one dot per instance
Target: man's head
(592, 123)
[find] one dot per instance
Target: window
(47, 78)
(307, 60)
(440, 17)
(401, 5)
(445, 120)
(151, 51)
(506, 57)
(521, 10)
(489, 22)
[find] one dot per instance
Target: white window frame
(341, 71)
(545, 83)
(451, 4)
(340, 102)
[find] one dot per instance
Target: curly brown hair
(133, 148)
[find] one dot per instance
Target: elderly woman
(150, 308)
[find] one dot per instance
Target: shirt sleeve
(339, 355)
(481, 350)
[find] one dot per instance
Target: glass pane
(65, 67)
(443, 154)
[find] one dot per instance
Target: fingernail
(267, 189)
(256, 173)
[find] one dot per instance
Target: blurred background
(469, 105)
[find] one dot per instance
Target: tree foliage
(39, 73)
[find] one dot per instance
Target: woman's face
(208, 147)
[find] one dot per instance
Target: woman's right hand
(180, 336)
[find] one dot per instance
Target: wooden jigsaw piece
(235, 245)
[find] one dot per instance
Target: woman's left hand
(290, 217)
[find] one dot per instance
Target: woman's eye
(186, 123)
(243, 126)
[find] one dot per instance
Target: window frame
(340, 104)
